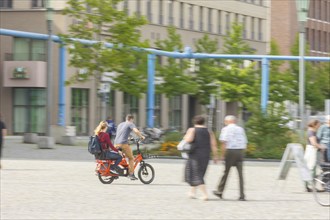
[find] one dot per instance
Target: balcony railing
(25, 57)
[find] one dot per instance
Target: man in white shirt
(233, 143)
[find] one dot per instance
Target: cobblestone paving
(60, 183)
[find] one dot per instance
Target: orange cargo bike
(146, 172)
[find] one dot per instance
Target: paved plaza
(60, 183)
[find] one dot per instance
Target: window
(326, 10)
(138, 7)
(320, 41)
(209, 20)
(259, 29)
(170, 12)
(327, 42)
(319, 14)
(175, 114)
(312, 39)
(252, 28)
(314, 8)
(324, 42)
(126, 7)
(191, 17)
(131, 106)
(160, 12)
(307, 34)
(38, 4)
(157, 111)
(244, 26)
(29, 110)
(227, 23)
(149, 14)
(201, 18)
(181, 15)
(6, 3)
(29, 49)
(79, 110)
(111, 104)
(219, 22)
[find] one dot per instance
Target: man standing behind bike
(121, 141)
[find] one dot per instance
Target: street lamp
(302, 11)
(49, 66)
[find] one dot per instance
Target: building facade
(284, 26)
(23, 81)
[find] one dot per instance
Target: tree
(100, 20)
(281, 87)
(323, 80)
(206, 75)
(238, 83)
(176, 80)
(267, 133)
(316, 80)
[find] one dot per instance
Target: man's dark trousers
(233, 157)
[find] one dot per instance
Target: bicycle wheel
(321, 188)
(106, 179)
(146, 173)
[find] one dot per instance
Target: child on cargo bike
(109, 152)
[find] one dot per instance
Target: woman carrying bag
(202, 142)
(313, 149)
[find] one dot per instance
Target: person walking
(233, 144)
(3, 133)
(121, 141)
(313, 150)
(323, 135)
(202, 142)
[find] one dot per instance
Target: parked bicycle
(321, 186)
(146, 172)
(152, 134)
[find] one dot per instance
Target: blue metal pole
(264, 84)
(61, 86)
(151, 90)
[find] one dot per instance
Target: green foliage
(101, 21)
(267, 133)
(176, 81)
(234, 43)
(318, 86)
(281, 84)
(238, 83)
(173, 136)
(316, 80)
(206, 75)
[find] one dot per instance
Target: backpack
(94, 145)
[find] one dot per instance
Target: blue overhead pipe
(186, 54)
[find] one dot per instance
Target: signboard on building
(104, 88)
(20, 73)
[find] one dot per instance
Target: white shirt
(234, 136)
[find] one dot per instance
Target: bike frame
(103, 166)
